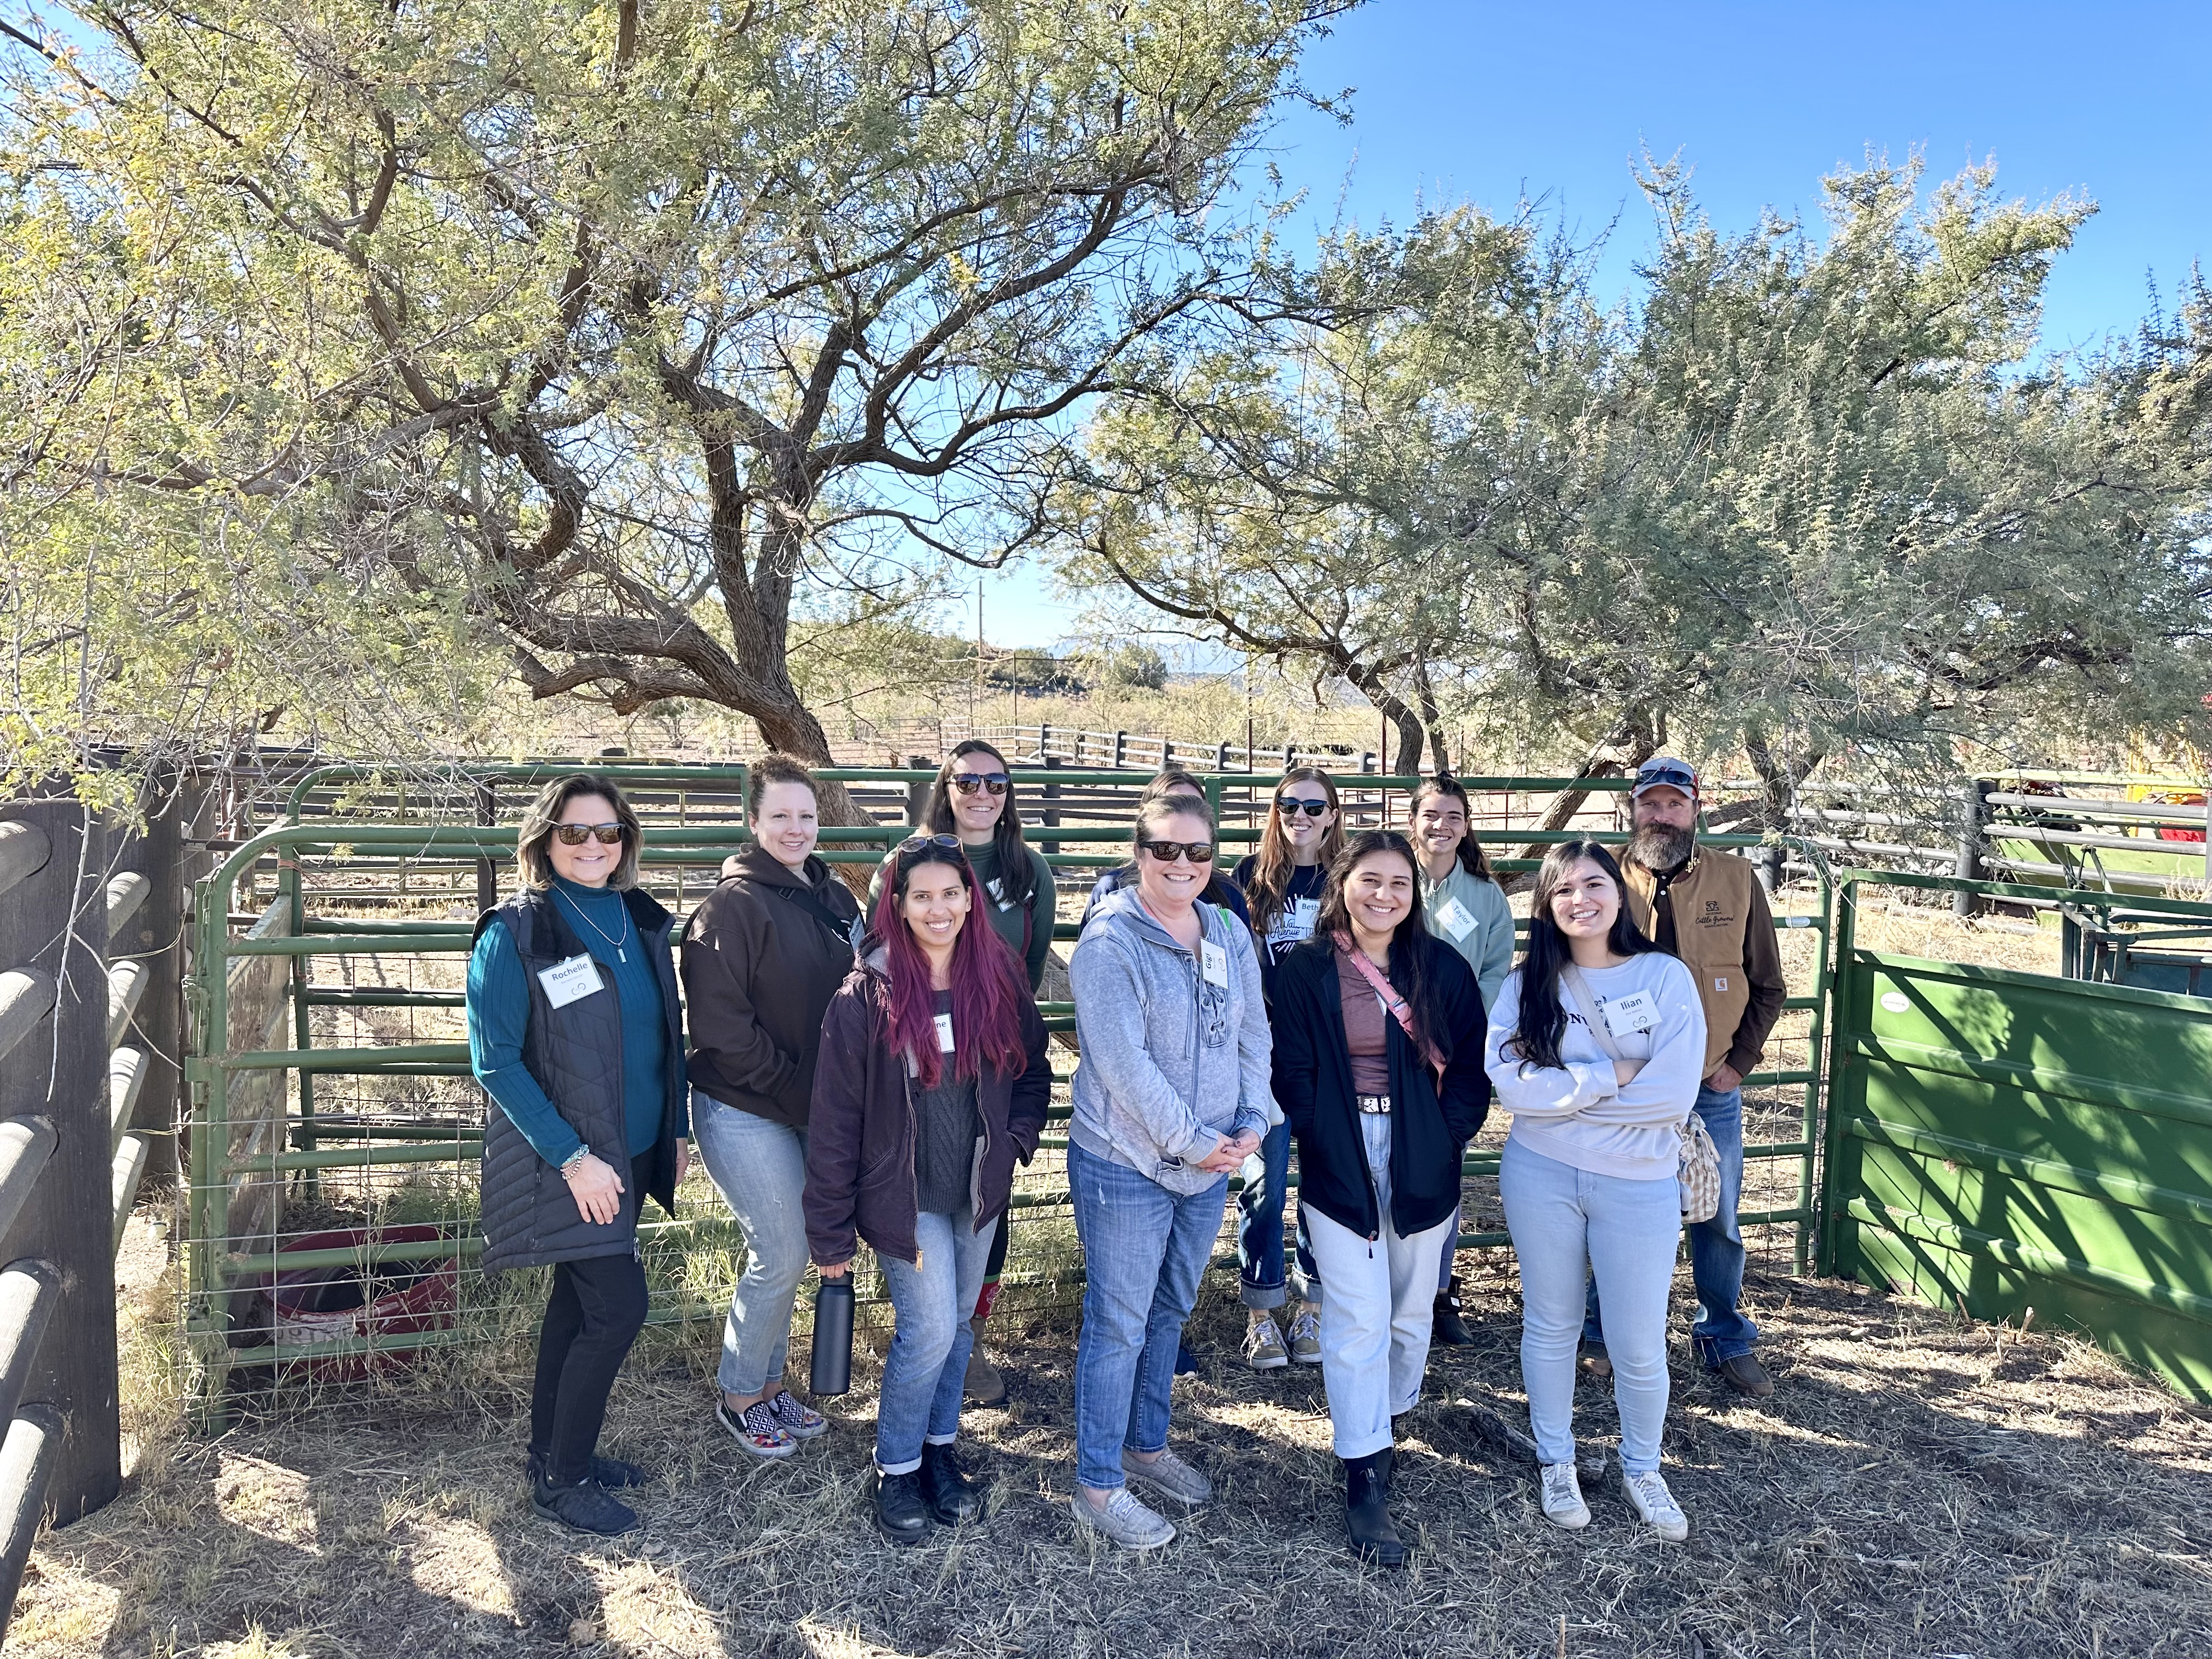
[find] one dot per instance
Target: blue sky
(1466, 101)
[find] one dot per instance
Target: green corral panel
(2001, 1140)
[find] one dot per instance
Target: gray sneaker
(1305, 1335)
(1169, 1475)
(1263, 1345)
(1124, 1521)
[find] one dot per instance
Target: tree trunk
(1631, 743)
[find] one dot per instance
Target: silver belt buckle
(1374, 1105)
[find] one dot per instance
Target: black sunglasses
(935, 845)
(969, 782)
(1291, 805)
(575, 834)
(1167, 852)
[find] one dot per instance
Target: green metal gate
(2001, 1140)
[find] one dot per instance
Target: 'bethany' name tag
(944, 1034)
(1631, 1015)
(571, 980)
(1455, 918)
(1214, 961)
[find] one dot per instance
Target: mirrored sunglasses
(574, 835)
(1167, 852)
(969, 782)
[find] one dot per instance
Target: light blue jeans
(1144, 1248)
(927, 1366)
(760, 1169)
(1567, 1225)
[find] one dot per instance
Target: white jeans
(1376, 1320)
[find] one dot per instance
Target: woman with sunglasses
(933, 1081)
(1379, 1069)
(1464, 906)
(1168, 783)
(1597, 1048)
(575, 1033)
(973, 800)
(1170, 1095)
(762, 954)
(1282, 883)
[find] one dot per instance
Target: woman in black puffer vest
(575, 1032)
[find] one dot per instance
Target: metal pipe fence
(343, 1153)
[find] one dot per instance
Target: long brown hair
(1017, 876)
(1272, 864)
(1470, 850)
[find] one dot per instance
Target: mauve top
(1363, 1029)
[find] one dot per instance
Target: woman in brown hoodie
(762, 956)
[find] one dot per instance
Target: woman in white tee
(1588, 1173)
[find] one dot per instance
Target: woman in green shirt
(1466, 908)
(973, 798)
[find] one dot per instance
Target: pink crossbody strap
(1392, 1000)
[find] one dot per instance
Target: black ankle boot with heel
(1366, 1509)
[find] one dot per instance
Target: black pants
(596, 1309)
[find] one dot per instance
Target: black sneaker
(611, 1472)
(1445, 1326)
(901, 1510)
(951, 1495)
(583, 1507)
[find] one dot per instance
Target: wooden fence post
(1050, 816)
(54, 922)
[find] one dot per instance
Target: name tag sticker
(1456, 919)
(571, 980)
(1296, 920)
(1214, 961)
(944, 1034)
(1631, 1015)
(997, 890)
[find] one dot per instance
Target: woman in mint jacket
(1464, 906)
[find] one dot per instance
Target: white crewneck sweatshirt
(1575, 1112)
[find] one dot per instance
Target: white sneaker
(1563, 1497)
(1124, 1521)
(1649, 1493)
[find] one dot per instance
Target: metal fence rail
(363, 1131)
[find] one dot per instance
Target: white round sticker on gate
(1897, 1002)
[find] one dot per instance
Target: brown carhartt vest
(1712, 898)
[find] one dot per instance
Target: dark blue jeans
(1259, 1251)
(1721, 1331)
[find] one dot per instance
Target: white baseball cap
(1665, 772)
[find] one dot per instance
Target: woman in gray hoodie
(1171, 1094)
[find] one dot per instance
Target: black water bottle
(832, 1370)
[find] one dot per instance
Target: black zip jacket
(1313, 1085)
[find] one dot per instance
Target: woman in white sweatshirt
(1588, 1173)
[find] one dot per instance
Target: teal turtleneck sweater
(499, 1010)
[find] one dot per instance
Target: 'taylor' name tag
(571, 980)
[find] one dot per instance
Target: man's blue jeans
(1144, 1248)
(1260, 1279)
(1721, 1331)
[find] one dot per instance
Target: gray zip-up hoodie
(1169, 1060)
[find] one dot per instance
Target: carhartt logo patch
(1720, 982)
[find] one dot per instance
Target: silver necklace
(617, 940)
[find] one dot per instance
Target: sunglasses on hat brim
(1670, 777)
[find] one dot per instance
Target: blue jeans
(1260, 1279)
(1721, 1330)
(927, 1366)
(760, 1169)
(1144, 1248)
(1566, 1224)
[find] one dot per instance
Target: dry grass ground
(1917, 1486)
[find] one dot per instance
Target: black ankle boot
(951, 1495)
(900, 1511)
(1445, 1326)
(1366, 1512)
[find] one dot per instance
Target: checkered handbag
(1697, 1168)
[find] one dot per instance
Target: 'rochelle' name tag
(1214, 961)
(1631, 1015)
(571, 980)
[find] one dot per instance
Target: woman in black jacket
(1378, 1067)
(932, 1081)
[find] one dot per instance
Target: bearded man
(1709, 911)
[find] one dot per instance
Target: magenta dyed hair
(988, 985)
